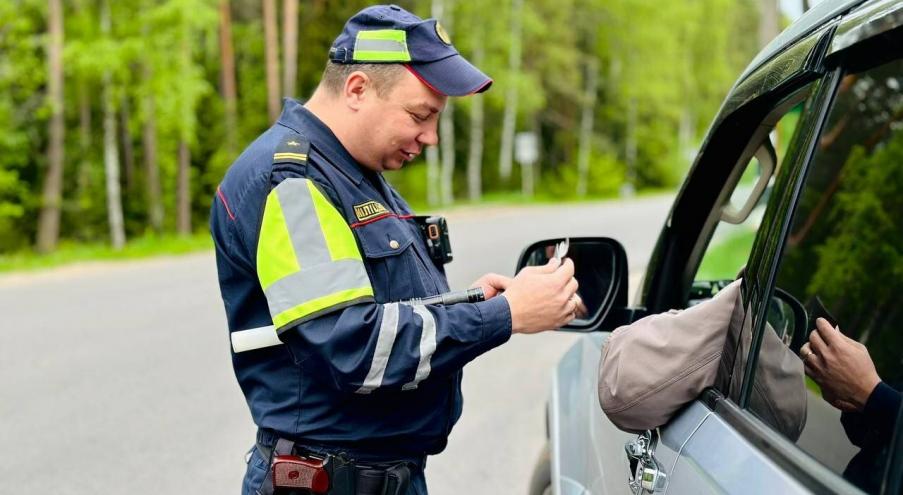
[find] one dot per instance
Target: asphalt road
(116, 377)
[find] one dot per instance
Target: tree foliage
(662, 70)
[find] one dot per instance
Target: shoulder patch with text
(368, 210)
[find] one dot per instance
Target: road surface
(116, 377)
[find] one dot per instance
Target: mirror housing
(789, 319)
(600, 267)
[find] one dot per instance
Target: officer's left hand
(492, 284)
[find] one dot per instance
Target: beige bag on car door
(654, 366)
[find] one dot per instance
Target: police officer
(314, 243)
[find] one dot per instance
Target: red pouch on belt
(295, 472)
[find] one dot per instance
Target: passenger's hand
(492, 284)
(841, 366)
(542, 297)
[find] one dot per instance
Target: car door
(709, 234)
(832, 248)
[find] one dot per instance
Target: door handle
(647, 475)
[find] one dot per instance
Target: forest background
(119, 118)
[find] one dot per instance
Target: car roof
(820, 14)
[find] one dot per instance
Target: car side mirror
(789, 319)
(600, 267)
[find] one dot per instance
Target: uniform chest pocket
(390, 259)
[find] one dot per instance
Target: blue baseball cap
(388, 34)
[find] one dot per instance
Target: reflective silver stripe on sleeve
(300, 214)
(314, 282)
(388, 329)
(364, 45)
(427, 346)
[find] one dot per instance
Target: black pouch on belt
(394, 480)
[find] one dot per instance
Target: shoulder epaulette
(292, 149)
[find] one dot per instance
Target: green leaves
(658, 63)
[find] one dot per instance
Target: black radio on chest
(435, 233)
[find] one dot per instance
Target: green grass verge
(515, 198)
(724, 260)
(150, 245)
(813, 387)
(139, 247)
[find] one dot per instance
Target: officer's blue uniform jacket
(359, 371)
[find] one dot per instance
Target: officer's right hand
(542, 297)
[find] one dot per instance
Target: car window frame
(792, 459)
(762, 132)
(756, 110)
(764, 260)
(758, 287)
(742, 418)
(750, 102)
(764, 265)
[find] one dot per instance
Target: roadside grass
(150, 245)
(140, 247)
(515, 198)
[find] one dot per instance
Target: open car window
(843, 261)
(744, 197)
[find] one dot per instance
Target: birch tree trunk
(149, 146)
(432, 175)
(111, 152)
(433, 172)
(229, 88)
(271, 47)
(49, 220)
(83, 176)
(686, 134)
(526, 179)
(768, 21)
(153, 193)
(447, 141)
(528, 170)
(447, 125)
(630, 149)
(183, 191)
(289, 47)
(128, 151)
(510, 118)
(475, 151)
(183, 178)
(586, 125)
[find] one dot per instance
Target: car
(798, 186)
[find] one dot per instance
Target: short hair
(383, 76)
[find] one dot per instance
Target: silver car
(799, 186)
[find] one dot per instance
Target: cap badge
(442, 34)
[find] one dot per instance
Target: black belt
(268, 438)
(372, 478)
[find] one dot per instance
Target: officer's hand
(492, 284)
(542, 297)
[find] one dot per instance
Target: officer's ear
(358, 87)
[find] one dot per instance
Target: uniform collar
(304, 122)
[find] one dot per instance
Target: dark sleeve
(370, 346)
(321, 301)
(876, 421)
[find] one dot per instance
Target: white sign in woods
(526, 148)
